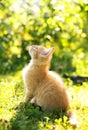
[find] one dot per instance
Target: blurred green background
(59, 23)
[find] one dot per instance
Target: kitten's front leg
(28, 96)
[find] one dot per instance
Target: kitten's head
(40, 53)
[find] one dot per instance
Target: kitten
(43, 87)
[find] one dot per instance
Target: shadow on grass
(29, 117)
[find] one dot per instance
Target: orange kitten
(43, 87)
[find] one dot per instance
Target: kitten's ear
(48, 52)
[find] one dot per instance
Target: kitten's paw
(26, 99)
(33, 101)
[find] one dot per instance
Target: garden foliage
(59, 23)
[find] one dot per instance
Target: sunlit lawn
(16, 115)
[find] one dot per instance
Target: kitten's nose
(34, 46)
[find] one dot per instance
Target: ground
(16, 115)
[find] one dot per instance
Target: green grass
(16, 115)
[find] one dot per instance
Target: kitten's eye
(36, 47)
(45, 53)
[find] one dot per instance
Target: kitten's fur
(43, 87)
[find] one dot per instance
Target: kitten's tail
(72, 118)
